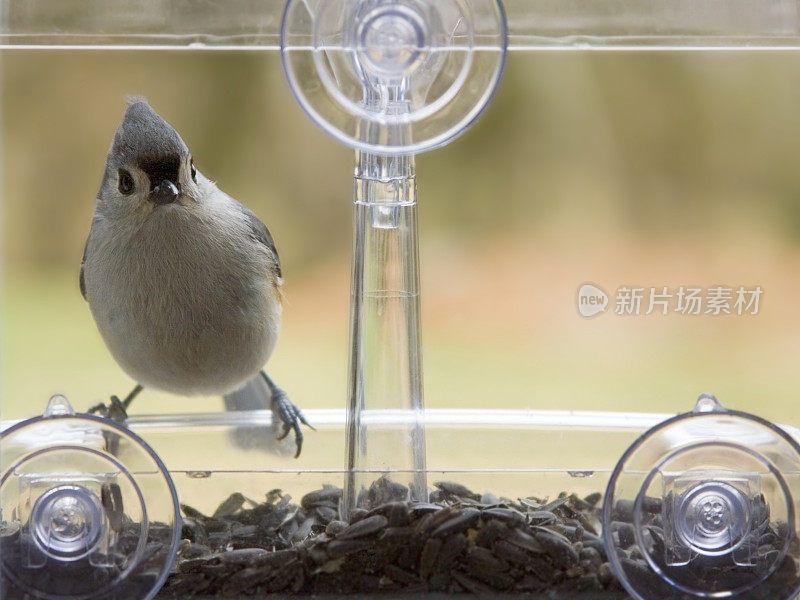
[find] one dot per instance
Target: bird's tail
(256, 395)
(253, 395)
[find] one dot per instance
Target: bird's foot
(114, 410)
(290, 416)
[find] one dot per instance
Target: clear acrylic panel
(592, 177)
(533, 24)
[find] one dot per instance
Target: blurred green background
(621, 169)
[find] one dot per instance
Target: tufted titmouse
(182, 280)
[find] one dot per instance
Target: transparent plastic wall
(532, 24)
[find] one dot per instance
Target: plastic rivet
(58, 406)
(708, 403)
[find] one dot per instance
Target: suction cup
(393, 76)
(704, 505)
(78, 522)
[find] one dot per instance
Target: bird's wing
(260, 233)
(82, 280)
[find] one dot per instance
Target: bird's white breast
(185, 299)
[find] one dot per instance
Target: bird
(183, 282)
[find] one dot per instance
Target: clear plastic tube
(385, 363)
(532, 24)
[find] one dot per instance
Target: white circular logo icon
(591, 300)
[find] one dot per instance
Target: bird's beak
(165, 192)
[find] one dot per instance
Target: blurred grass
(621, 169)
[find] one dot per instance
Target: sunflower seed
(461, 521)
(365, 527)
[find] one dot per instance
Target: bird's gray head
(148, 166)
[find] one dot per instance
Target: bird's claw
(286, 429)
(291, 418)
(114, 410)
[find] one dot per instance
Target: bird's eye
(194, 171)
(125, 182)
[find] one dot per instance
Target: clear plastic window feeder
(701, 505)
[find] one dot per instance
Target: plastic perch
(389, 78)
